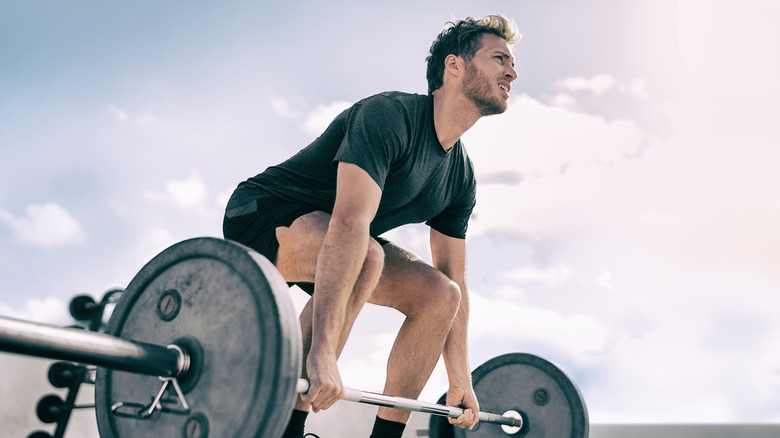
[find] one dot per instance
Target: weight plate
(83, 307)
(548, 400)
(51, 409)
(228, 306)
(65, 374)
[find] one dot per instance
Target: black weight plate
(83, 307)
(51, 409)
(228, 306)
(551, 404)
(65, 374)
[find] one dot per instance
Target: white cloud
(638, 87)
(598, 84)
(154, 240)
(538, 140)
(322, 115)
(119, 208)
(47, 225)
(188, 193)
(552, 276)
(563, 100)
(145, 118)
(47, 310)
(118, 114)
(580, 336)
(224, 197)
(282, 107)
(603, 280)
(122, 116)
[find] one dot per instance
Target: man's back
(392, 137)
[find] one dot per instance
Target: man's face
(489, 74)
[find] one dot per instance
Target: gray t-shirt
(392, 137)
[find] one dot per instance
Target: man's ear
(453, 64)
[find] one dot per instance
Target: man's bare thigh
(406, 278)
(299, 246)
(407, 281)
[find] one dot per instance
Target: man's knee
(440, 298)
(450, 297)
(375, 259)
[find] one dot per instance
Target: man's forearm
(340, 261)
(455, 351)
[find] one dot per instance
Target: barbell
(205, 342)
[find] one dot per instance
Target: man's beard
(477, 87)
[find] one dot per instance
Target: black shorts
(254, 225)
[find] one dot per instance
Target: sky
(625, 227)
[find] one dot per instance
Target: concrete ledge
(685, 430)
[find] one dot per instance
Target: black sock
(295, 426)
(387, 429)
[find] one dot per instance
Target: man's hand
(466, 399)
(325, 388)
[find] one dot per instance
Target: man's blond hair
(464, 38)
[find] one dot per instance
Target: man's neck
(453, 115)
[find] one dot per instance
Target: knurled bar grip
(77, 345)
(407, 404)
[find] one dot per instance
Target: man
(391, 159)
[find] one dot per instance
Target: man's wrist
(460, 380)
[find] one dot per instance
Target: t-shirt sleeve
(375, 136)
(453, 221)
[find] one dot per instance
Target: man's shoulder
(402, 96)
(398, 99)
(395, 110)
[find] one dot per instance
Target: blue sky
(625, 225)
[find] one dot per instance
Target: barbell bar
(407, 404)
(92, 348)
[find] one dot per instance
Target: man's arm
(449, 256)
(338, 267)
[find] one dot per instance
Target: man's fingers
(330, 396)
(311, 395)
(475, 415)
(323, 396)
(466, 420)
